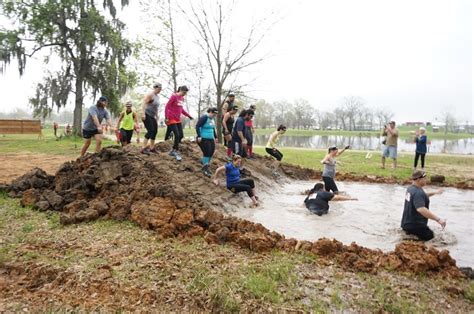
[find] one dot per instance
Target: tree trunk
(220, 114)
(77, 121)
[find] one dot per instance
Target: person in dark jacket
(421, 149)
(317, 201)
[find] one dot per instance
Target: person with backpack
(206, 138)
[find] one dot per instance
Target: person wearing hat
(420, 139)
(92, 126)
(126, 124)
(151, 105)
(416, 211)
(317, 201)
(206, 138)
(390, 150)
(271, 147)
(329, 170)
(227, 127)
(173, 111)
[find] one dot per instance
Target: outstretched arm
(338, 197)
(425, 212)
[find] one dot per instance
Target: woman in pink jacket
(173, 111)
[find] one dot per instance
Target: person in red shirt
(173, 111)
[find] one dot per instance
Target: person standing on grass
(151, 105)
(173, 111)
(55, 128)
(239, 142)
(206, 138)
(329, 170)
(390, 150)
(233, 181)
(249, 130)
(317, 201)
(416, 210)
(126, 124)
(420, 139)
(227, 127)
(271, 147)
(92, 126)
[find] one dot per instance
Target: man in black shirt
(416, 212)
(318, 199)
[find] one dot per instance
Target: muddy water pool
(372, 221)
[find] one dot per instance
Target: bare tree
(351, 105)
(449, 120)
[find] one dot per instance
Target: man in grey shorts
(390, 150)
(92, 126)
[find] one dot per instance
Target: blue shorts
(390, 151)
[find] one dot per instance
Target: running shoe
(173, 153)
(178, 156)
(205, 170)
(145, 151)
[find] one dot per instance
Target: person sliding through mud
(329, 171)
(206, 138)
(227, 127)
(126, 123)
(92, 126)
(239, 142)
(416, 211)
(151, 105)
(233, 181)
(173, 111)
(271, 149)
(318, 199)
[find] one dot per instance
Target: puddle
(373, 221)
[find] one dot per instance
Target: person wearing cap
(317, 200)
(173, 111)
(233, 181)
(329, 170)
(416, 211)
(150, 108)
(420, 139)
(249, 133)
(239, 141)
(92, 126)
(271, 147)
(227, 127)
(126, 124)
(390, 150)
(206, 138)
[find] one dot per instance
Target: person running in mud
(416, 211)
(318, 199)
(151, 105)
(173, 111)
(92, 126)
(227, 127)
(249, 130)
(126, 123)
(271, 149)
(329, 171)
(233, 181)
(420, 139)
(239, 142)
(390, 150)
(206, 138)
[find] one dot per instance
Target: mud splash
(176, 200)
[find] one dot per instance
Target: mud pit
(175, 200)
(373, 221)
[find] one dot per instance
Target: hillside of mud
(176, 200)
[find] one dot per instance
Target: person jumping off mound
(151, 106)
(92, 126)
(271, 149)
(233, 181)
(318, 199)
(206, 138)
(329, 171)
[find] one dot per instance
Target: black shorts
(330, 185)
(89, 133)
(126, 136)
(422, 232)
(275, 153)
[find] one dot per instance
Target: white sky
(412, 56)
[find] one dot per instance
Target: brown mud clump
(176, 200)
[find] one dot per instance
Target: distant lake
(458, 146)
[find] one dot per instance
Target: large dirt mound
(175, 199)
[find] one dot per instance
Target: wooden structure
(20, 126)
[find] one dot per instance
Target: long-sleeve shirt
(206, 127)
(174, 109)
(421, 144)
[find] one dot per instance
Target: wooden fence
(20, 126)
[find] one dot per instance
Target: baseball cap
(103, 98)
(128, 104)
(157, 85)
(418, 174)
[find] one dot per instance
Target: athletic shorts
(275, 153)
(89, 133)
(126, 135)
(390, 151)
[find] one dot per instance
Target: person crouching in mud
(329, 171)
(318, 199)
(234, 183)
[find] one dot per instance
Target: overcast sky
(414, 57)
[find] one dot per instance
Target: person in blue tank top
(233, 181)
(421, 149)
(206, 138)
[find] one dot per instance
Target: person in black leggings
(206, 138)
(234, 183)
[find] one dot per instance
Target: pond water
(459, 146)
(373, 221)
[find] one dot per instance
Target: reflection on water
(460, 146)
(372, 221)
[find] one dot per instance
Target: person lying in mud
(318, 199)
(329, 171)
(271, 149)
(416, 211)
(233, 181)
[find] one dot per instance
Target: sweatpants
(417, 156)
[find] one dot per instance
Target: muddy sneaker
(172, 153)
(154, 151)
(205, 171)
(178, 156)
(145, 151)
